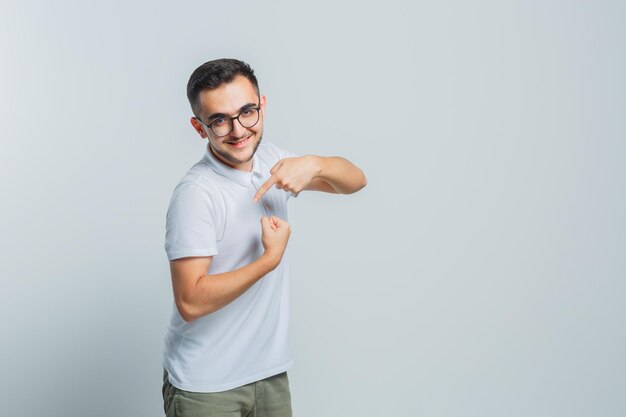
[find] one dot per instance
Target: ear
(198, 127)
(262, 105)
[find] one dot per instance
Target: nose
(238, 129)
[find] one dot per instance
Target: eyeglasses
(223, 125)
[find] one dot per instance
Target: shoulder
(197, 192)
(201, 179)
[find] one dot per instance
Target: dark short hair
(213, 74)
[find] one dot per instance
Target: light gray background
(480, 272)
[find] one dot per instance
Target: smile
(240, 143)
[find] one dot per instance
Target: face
(237, 148)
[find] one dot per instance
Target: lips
(239, 143)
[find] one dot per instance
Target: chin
(233, 157)
(252, 147)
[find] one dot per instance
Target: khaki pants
(268, 397)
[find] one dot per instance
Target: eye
(247, 112)
(219, 121)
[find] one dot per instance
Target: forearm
(212, 292)
(341, 174)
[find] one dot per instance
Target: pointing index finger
(263, 189)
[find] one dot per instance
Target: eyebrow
(218, 115)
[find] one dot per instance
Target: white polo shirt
(211, 213)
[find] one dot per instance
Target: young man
(227, 347)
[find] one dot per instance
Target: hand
(274, 236)
(291, 174)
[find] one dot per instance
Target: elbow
(361, 183)
(187, 318)
(189, 312)
(186, 311)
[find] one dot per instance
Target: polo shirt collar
(240, 177)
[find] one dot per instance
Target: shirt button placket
(256, 178)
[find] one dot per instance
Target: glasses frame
(232, 119)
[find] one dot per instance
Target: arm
(197, 294)
(330, 174)
(340, 174)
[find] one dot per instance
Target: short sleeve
(190, 228)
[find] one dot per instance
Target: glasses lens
(249, 117)
(222, 127)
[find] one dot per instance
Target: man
(227, 347)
